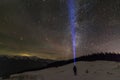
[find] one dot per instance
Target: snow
(97, 70)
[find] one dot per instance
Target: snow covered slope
(96, 70)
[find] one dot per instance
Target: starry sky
(41, 27)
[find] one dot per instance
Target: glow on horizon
(25, 54)
(72, 18)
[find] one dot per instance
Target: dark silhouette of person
(75, 70)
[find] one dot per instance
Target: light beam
(72, 18)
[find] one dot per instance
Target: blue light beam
(72, 18)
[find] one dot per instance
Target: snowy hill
(97, 70)
(96, 67)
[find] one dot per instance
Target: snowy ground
(97, 70)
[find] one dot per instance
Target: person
(75, 70)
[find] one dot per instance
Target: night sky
(41, 27)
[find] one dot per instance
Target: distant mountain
(107, 56)
(17, 64)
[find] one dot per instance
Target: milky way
(41, 27)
